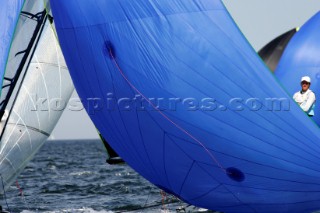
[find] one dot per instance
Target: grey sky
(263, 20)
(259, 20)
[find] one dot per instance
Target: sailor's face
(305, 85)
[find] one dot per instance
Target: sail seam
(165, 116)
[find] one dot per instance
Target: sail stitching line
(33, 103)
(145, 149)
(163, 115)
(45, 85)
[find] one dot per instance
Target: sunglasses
(304, 82)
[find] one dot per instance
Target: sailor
(305, 97)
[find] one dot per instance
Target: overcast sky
(260, 21)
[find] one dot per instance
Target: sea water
(72, 176)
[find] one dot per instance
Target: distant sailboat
(113, 157)
(36, 83)
(272, 52)
(186, 101)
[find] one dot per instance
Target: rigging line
(22, 195)
(33, 43)
(4, 192)
(163, 115)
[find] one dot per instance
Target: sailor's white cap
(306, 78)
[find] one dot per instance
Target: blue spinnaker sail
(301, 58)
(9, 14)
(178, 92)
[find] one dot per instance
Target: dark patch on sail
(108, 50)
(235, 174)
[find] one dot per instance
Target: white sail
(44, 82)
